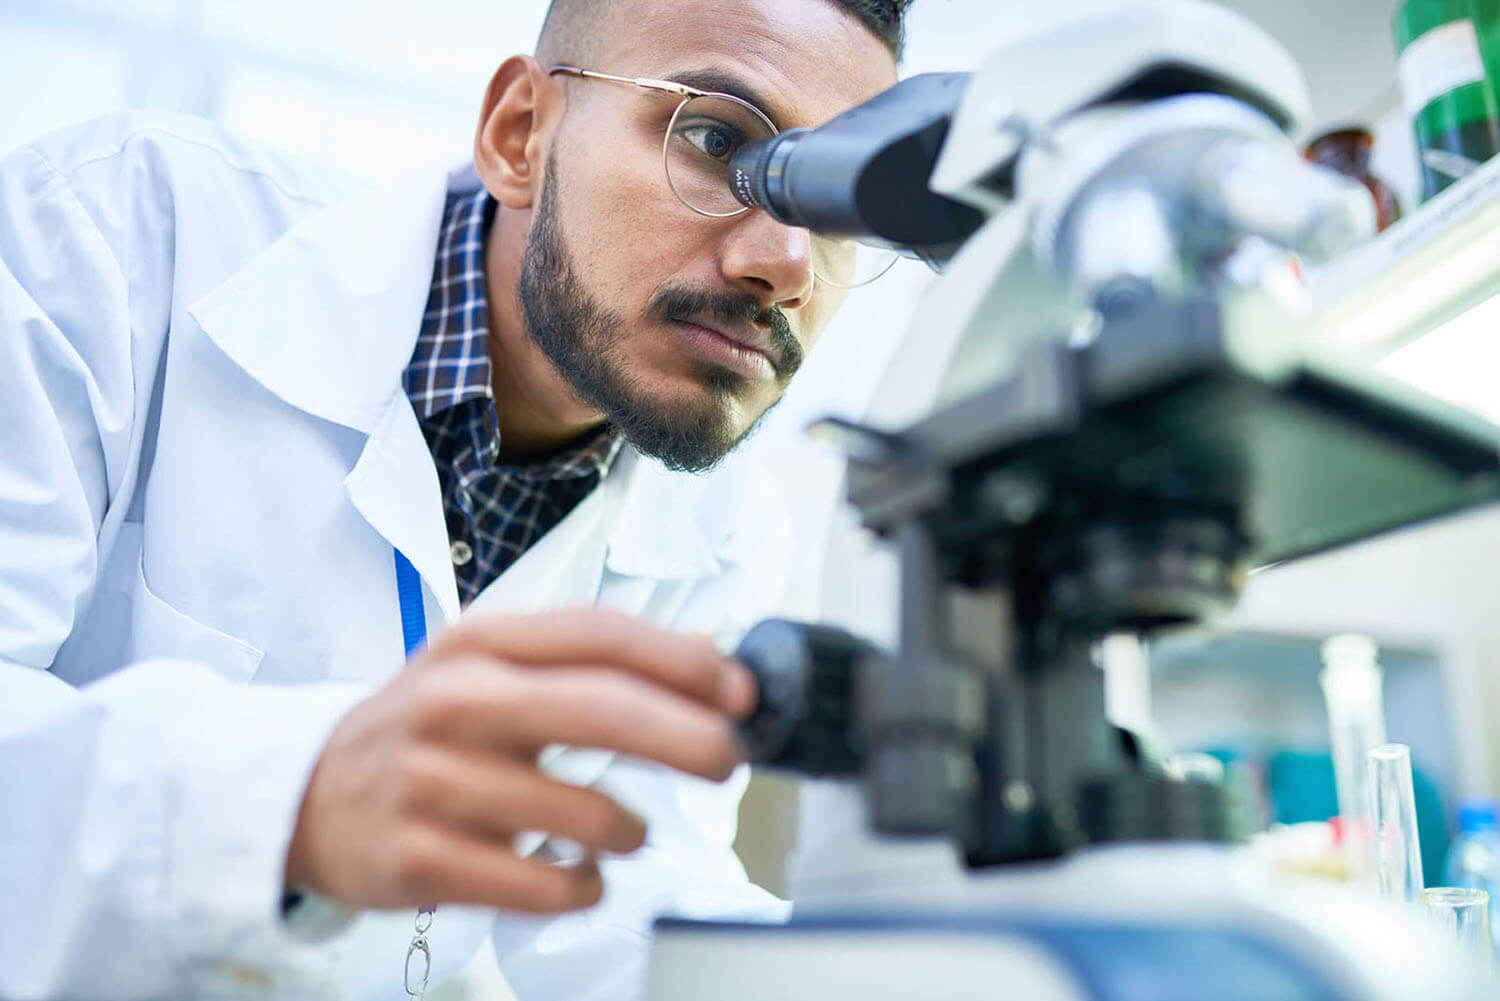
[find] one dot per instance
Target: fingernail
(640, 822)
(736, 688)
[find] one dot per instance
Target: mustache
(681, 304)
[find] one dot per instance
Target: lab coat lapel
(327, 319)
(394, 485)
(661, 532)
(639, 527)
(564, 567)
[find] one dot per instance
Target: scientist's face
(633, 296)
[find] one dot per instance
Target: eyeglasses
(705, 132)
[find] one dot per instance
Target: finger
(594, 707)
(519, 711)
(496, 797)
(455, 867)
(686, 663)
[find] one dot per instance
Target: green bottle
(1487, 24)
(1451, 98)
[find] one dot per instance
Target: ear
(520, 113)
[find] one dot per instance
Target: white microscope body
(1136, 156)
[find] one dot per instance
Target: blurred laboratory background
(384, 87)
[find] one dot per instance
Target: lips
(725, 352)
(743, 336)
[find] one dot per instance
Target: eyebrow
(723, 82)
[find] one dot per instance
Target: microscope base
(1127, 923)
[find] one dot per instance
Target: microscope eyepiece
(864, 176)
(757, 176)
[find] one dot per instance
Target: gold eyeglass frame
(685, 95)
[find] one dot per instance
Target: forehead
(801, 61)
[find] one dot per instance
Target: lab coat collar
(327, 317)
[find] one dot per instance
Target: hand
(422, 787)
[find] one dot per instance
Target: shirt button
(461, 552)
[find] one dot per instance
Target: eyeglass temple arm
(650, 83)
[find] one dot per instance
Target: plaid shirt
(495, 511)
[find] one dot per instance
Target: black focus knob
(804, 721)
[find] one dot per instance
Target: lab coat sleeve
(145, 830)
(145, 817)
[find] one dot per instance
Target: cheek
(627, 231)
(606, 208)
(625, 228)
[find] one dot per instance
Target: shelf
(1437, 263)
(1284, 658)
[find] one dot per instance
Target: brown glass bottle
(1348, 152)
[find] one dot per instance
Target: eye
(716, 140)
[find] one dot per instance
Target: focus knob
(804, 721)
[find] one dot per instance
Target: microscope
(1127, 418)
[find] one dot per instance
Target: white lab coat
(206, 461)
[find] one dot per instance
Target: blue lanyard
(413, 615)
(414, 635)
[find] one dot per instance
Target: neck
(537, 409)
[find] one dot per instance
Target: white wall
(374, 86)
(1433, 587)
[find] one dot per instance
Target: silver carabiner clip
(418, 944)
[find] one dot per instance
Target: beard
(586, 343)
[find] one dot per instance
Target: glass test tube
(1398, 852)
(1465, 913)
(1352, 682)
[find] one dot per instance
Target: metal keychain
(419, 944)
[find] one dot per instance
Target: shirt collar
(451, 363)
(591, 455)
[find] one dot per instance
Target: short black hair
(565, 29)
(886, 18)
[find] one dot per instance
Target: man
(258, 426)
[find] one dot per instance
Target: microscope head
(920, 167)
(1137, 51)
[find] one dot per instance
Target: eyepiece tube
(757, 175)
(864, 175)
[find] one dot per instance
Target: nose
(769, 260)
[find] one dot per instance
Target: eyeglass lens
(706, 132)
